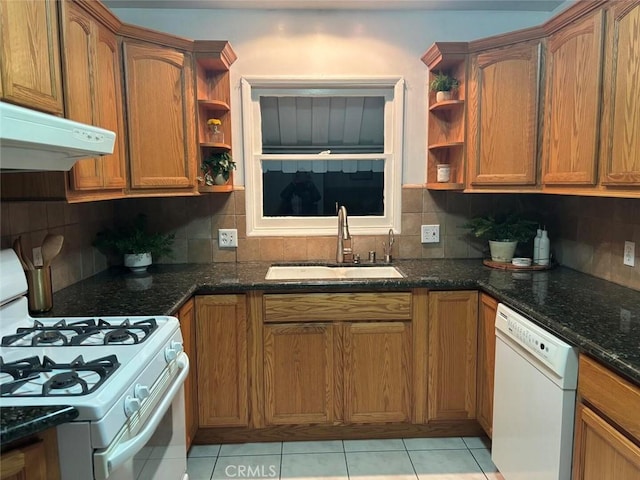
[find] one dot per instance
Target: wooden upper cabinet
(93, 93)
(502, 136)
(453, 319)
(161, 115)
(620, 146)
(572, 102)
(30, 59)
(377, 372)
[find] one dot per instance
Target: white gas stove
(124, 375)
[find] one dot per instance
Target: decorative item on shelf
(138, 246)
(443, 172)
(503, 233)
(216, 168)
(443, 85)
(215, 130)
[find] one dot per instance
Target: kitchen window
(313, 142)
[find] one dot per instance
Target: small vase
(217, 135)
(220, 180)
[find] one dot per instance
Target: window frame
(391, 87)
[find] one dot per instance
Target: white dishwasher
(534, 400)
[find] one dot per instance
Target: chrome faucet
(344, 253)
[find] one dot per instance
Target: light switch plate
(430, 233)
(629, 253)
(227, 237)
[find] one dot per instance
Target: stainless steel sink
(323, 272)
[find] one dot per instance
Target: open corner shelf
(447, 118)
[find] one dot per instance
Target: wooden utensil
(25, 261)
(51, 246)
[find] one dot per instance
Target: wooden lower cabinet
(32, 459)
(377, 372)
(187, 318)
(221, 339)
(487, 307)
(607, 431)
(601, 451)
(452, 346)
(299, 373)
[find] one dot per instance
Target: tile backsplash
(78, 223)
(587, 234)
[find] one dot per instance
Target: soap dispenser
(544, 248)
(536, 246)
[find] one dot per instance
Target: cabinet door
(621, 102)
(30, 60)
(486, 361)
(161, 116)
(503, 116)
(600, 451)
(377, 372)
(453, 319)
(92, 88)
(572, 104)
(221, 339)
(299, 373)
(187, 318)
(25, 463)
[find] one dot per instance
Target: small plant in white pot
(138, 246)
(443, 85)
(503, 233)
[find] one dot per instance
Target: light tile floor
(452, 458)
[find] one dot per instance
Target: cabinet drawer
(291, 307)
(614, 396)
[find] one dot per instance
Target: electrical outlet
(430, 233)
(37, 257)
(629, 253)
(227, 237)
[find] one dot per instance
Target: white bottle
(544, 249)
(536, 246)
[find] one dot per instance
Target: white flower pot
(137, 262)
(220, 180)
(502, 251)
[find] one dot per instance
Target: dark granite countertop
(599, 317)
(19, 422)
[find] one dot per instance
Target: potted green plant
(443, 85)
(216, 168)
(138, 246)
(503, 233)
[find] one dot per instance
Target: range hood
(31, 140)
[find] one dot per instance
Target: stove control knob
(141, 391)
(172, 351)
(131, 406)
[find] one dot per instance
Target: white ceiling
(513, 5)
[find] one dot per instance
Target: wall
(311, 42)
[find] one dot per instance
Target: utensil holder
(40, 295)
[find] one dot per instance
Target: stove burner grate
(88, 332)
(42, 376)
